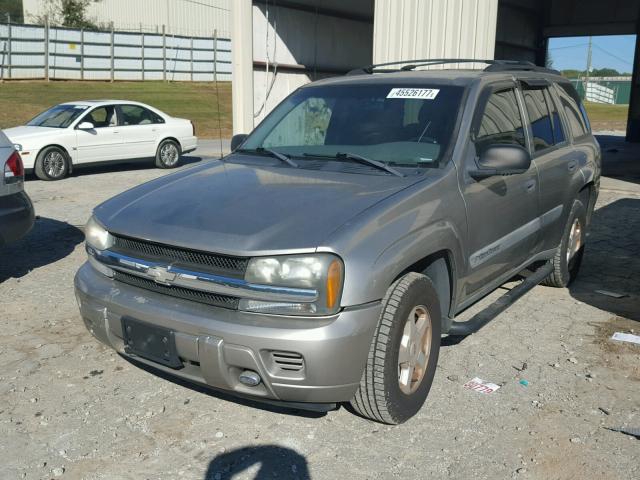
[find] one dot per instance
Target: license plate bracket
(151, 342)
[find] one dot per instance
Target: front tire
(568, 258)
(404, 353)
(52, 164)
(168, 154)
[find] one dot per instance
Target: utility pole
(586, 83)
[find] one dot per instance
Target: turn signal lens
(334, 283)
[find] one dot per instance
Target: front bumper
(217, 344)
(16, 216)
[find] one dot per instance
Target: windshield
(60, 116)
(403, 126)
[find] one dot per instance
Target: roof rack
(493, 65)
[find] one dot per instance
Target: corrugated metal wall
(415, 29)
(181, 17)
(319, 45)
(76, 54)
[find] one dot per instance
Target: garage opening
(600, 68)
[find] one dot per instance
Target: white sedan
(89, 132)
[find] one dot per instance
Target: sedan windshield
(60, 116)
(403, 126)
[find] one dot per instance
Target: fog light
(249, 378)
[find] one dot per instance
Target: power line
(569, 46)
(626, 62)
(206, 5)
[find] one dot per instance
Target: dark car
(324, 258)
(16, 209)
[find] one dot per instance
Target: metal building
(198, 18)
(279, 45)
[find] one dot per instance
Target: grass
(22, 100)
(607, 117)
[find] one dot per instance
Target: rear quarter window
(573, 109)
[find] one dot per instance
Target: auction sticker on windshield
(420, 93)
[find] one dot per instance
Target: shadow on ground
(620, 158)
(48, 241)
(222, 395)
(124, 166)
(271, 461)
(612, 260)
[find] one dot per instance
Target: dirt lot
(73, 409)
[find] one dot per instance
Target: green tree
(11, 9)
(68, 13)
(74, 14)
(604, 72)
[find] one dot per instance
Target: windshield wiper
(261, 150)
(360, 159)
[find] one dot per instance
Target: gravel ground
(71, 408)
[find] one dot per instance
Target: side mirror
(86, 126)
(502, 160)
(238, 140)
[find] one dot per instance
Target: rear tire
(168, 154)
(404, 353)
(52, 164)
(568, 258)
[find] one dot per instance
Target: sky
(613, 51)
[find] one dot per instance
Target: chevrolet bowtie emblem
(161, 275)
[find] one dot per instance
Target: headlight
(323, 273)
(96, 236)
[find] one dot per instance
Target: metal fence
(612, 90)
(44, 52)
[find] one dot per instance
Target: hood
(245, 210)
(25, 132)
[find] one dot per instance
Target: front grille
(290, 361)
(214, 299)
(202, 261)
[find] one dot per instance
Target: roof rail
(493, 65)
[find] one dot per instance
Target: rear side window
(540, 118)
(501, 122)
(137, 115)
(573, 110)
(558, 129)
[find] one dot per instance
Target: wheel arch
(170, 138)
(439, 266)
(588, 194)
(61, 147)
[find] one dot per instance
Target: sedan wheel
(52, 164)
(168, 154)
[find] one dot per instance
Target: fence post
(46, 47)
(164, 54)
(112, 54)
(82, 54)
(142, 51)
(215, 55)
(9, 45)
(191, 58)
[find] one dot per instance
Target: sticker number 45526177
(417, 93)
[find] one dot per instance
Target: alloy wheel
(413, 356)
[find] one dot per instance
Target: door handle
(572, 165)
(530, 185)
